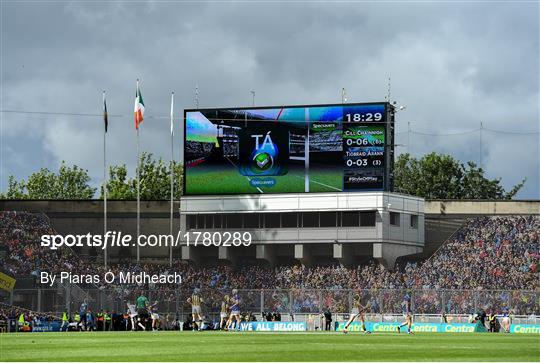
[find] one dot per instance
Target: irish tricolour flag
(139, 108)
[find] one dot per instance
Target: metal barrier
(286, 302)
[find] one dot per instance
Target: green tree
(69, 183)
(439, 176)
(155, 179)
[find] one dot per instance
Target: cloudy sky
(453, 64)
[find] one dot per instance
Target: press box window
(200, 221)
(328, 219)
(367, 219)
(310, 219)
(209, 221)
(350, 219)
(191, 221)
(394, 219)
(234, 221)
(289, 220)
(218, 221)
(251, 220)
(271, 220)
(414, 221)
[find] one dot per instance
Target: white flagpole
(104, 180)
(138, 179)
(172, 179)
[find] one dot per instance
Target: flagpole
(105, 178)
(138, 182)
(138, 196)
(172, 179)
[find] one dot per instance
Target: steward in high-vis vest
(65, 322)
(100, 325)
(107, 321)
(22, 322)
(77, 319)
(493, 323)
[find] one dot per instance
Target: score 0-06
(363, 142)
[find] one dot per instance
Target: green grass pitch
(252, 346)
(209, 179)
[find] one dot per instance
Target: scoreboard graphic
(289, 149)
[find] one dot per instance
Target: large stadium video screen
(291, 149)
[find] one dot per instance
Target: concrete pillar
(190, 253)
(303, 254)
(344, 253)
(228, 254)
(267, 253)
(387, 253)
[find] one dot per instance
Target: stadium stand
(487, 253)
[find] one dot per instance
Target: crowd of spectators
(20, 233)
(24, 317)
(487, 253)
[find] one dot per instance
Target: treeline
(72, 182)
(433, 176)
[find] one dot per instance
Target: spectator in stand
(486, 253)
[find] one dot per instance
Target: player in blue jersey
(407, 313)
(506, 320)
(82, 313)
(235, 311)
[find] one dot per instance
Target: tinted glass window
(328, 219)
(289, 220)
(234, 220)
(350, 219)
(367, 219)
(414, 221)
(209, 221)
(218, 221)
(200, 221)
(271, 220)
(394, 218)
(191, 221)
(251, 220)
(310, 219)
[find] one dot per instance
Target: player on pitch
(235, 311)
(407, 313)
(132, 314)
(196, 312)
(142, 305)
(358, 311)
(224, 313)
(82, 313)
(155, 316)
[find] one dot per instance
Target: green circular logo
(263, 161)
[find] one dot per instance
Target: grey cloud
(453, 65)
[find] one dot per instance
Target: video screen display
(292, 149)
